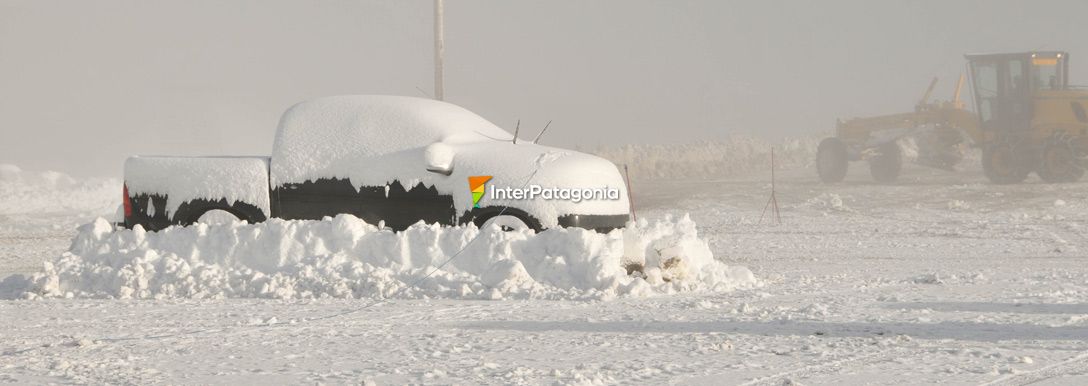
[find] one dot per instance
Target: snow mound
(826, 202)
(344, 257)
(734, 156)
(49, 192)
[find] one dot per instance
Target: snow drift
(31, 192)
(344, 257)
(734, 156)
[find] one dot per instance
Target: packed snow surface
(183, 179)
(940, 278)
(345, 257)
(39, 210)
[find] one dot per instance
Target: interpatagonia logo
(477, 185)
(572, 194)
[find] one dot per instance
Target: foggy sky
(85, 84)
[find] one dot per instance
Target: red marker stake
(630, 196)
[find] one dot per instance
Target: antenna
(517, 128)
(439, 50)
(542, 132)
(424, 92)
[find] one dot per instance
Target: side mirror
(439, 158)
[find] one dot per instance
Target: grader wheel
(1003, 163)
(831, 160)
(1059, 162)
(886, 165)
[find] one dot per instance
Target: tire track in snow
(1075, 364)
(832, 365)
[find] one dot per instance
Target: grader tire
(885, 167)
(1003, 164)
(1059, 162)
(831, 160)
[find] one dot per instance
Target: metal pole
(772, 203)
(774, 194)
(439, 50)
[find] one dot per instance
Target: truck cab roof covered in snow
(314, 132)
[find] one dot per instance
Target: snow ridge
(736, 155)
(344, 257)
(36, 193)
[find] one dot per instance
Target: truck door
(401, 206)
(313, 200)
(397, 206)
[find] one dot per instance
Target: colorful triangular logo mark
(476, 185)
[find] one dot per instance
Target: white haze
(84, 84)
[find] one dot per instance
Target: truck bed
(163, 191)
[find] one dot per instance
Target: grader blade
(937, 129)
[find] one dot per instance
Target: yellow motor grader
(1026, 118)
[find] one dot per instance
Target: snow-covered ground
(939, 278)
(39, 212)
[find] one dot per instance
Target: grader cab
(1026, 119)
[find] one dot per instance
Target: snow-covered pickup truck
(388, 160)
